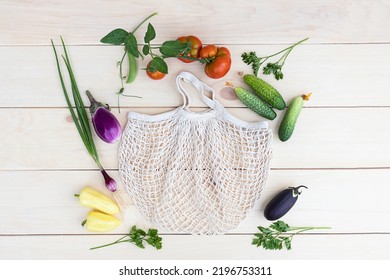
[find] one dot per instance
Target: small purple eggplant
(106, 125)
(282, 203)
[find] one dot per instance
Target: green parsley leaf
(271, 68)
(278, 234)
(137, 237)
(251, 58)
(280, 226)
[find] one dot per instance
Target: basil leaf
(145, 50)
(115, 37)
(150, 34)
(174, 48)
(131, 45)
(159, 64)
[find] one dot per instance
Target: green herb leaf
(150, 34)
(115, 37)
(131, 45)
(275, 69)
(287, 243)
(155, 241)
(137, 237)
(280, 226)
(271, 68)
(277, 234)
(145, 49)
(256, 241)
(152, 232)
(251, 58)
(174, 48)
(158, 64)
(265, 230)
(267, 69)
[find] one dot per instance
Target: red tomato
(219, 61)
(196, 46)
(155, 75)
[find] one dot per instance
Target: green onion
(81, 119)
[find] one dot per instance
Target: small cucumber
(290, 118)
(254, 103)
(265, 91)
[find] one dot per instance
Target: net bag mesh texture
(198, 173)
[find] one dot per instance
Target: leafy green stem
(278, 234)
(142, 22)
(122, 37)
(120, 68)
(150, 50)
(109, 244)
(128, 95)
(201, 60)
(271, 68)
(282, 60)
(288, 48)
(302, 229)
(137, 237)
(120, 240)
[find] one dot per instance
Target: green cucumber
(290, 118)
(254, 103)
(265, 91)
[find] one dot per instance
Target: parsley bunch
(271, 68)
(138, 236)
(278, 234)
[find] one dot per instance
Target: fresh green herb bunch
(278, 235)
(138, 236)
(271, 68)
(79, 114)
(120, 36)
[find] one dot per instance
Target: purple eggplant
(282, 203)
(106, 125)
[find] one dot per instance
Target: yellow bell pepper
(100, 222)
(94, 199)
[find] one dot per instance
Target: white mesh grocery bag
(194, 172)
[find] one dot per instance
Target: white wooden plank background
(221, 22)
(340, 148)
(338, 75)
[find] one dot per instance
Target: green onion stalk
(81, 119)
